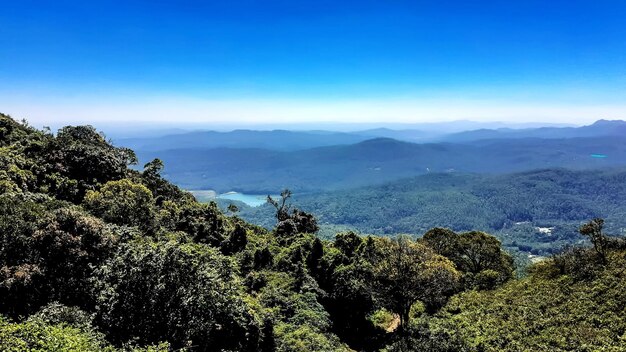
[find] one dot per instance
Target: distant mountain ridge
(289, 140)
(599, 128)
(274, 140)
(375, 161)
(513, 206)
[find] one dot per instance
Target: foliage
(97, 256)
(122, 202)
(383, 319)
(593, 230)
(290, 223)
(304, 339)
(420, 336)
(534, 212)
(478, 255)
(48, 254)
(194, 297)
(546, 313)
(37, 335)
(161, 189)
(408, 271)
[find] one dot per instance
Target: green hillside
(95, 255)
(536, 212)
(376, 161)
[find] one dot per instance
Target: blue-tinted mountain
(597, 129)
(376, 161)
(409, 135)
(272, 140)
(287, 140)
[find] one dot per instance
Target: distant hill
(408, 135)
(272, 140)
(599, 128)
(534, 211)
(376, 161)
(287, 139)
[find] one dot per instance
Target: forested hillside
(597, 129)
(376, 161)
(536, 212)
(272, 140)
(95, 255)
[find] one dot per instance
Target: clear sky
(307, 61)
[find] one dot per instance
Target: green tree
(69, 246)
(477, 254)
(304, 338)
(49, 256)
(186, 294)
(349, 284)
(236, 242)
(282, 207)
(123, 202)
(407, 271)
(291, 221)
(37, 335)
(19, 219)
(442, 241)
(593, 230)
(233, 209)
(82, 154)
(161, 189)
(481, 256)
(205, 223)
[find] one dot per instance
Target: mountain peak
(603, 122)
(382, 141)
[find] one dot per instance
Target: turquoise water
(598, 155)
(253, 200)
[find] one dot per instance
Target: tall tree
(123, 202)
(407, 271)
(291, 220)
(478, 255)
(593, 230)
(187, 294)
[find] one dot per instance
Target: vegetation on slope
(571, 302)
(376, 161)
(97, 256)
(537, 212)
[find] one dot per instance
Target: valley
(313, 176)
(514, 184)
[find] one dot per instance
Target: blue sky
(303, 61)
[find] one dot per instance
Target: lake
(253, 200)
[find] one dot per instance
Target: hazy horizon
(435, 126)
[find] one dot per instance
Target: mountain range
(375, 161)
(535, 211)
(599, 128)
(283, 139)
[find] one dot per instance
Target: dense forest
(537, 211)
(96, 254)
(223, 167)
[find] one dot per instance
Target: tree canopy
(95, 255)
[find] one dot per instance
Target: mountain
(410, 135)
(85, 240)
(376, 161)
(513, 207)
(597, 129)
(272, 140)
(297, 139)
